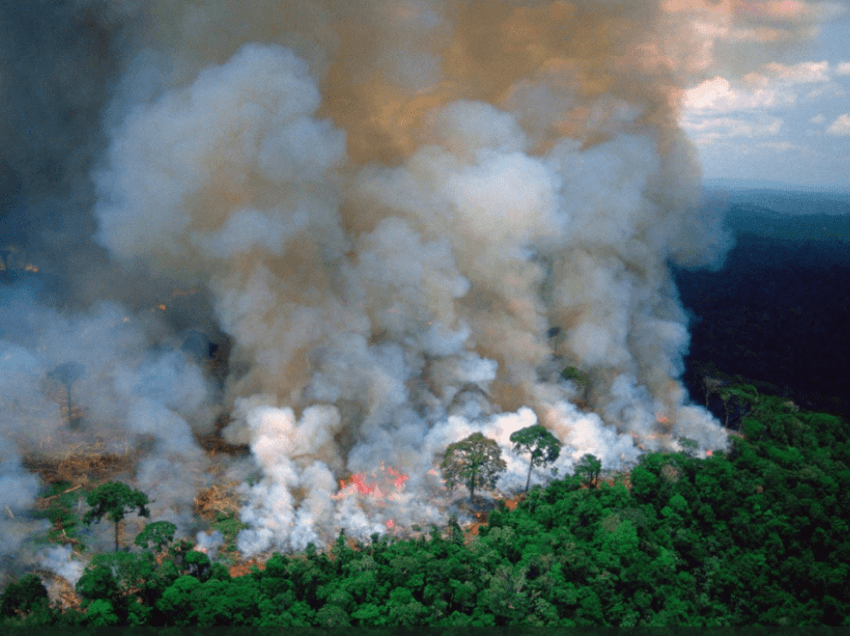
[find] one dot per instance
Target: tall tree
(540, 443)
(114, 500)
(590, 467)
(66, 374)
(475, 461)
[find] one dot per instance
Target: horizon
(767, 185)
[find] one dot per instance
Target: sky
(781, 120)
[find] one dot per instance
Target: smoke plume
(408, 217)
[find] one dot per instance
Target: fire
(390, 523)
(390, 486)
(31, 268)
(708, 453)
(662, 418)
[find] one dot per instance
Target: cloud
(715, 128)
(765, 22)
(841, 126)
(802, 73)
(724, 108)
(719, 95)
(842, 68)
(774, 86)
(817, 119)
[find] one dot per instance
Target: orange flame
(360, 484)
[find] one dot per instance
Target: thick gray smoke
(408, 216)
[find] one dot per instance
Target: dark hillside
(779, 310)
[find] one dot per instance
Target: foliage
(97, 582)
(22, 596)
(229, 524)
(475, 461)
(543, 447)
(113, 500)
(576, 375)
(590, 467)
(755, 535)
(156, 535)
(58, 505)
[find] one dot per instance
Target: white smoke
(18, 492)
(59, 560)
(390, 207)
(209, 542)
(366, 297)
(95, 383)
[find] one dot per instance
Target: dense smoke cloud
(408, 217)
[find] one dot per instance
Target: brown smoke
(410, 217)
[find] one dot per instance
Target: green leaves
(177, 603)
(97, 583)
(589, 467)
(754, 536)
(543, 447)
(475, 461)
(22, 595)
(113, 500)
(156, 535)
(58, 505)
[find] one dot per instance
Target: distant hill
(789, 215)
(758, 221)
(779, 308)
(773, 187)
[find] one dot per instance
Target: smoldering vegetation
(396, 223)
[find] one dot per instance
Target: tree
(97, 582)
(590, 467)
(198, 565)
(100, 613)
(177, 603)
(66, 374)
(113, 500)
(543, 446)
(22, 596)
(158, 534)
(475, 461)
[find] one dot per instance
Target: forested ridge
(754, 535)
(777, 312)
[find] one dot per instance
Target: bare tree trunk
(528, 481)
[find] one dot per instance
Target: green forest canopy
(755, 535)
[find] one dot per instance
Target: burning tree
(113, 500)
(475, 461)
(540, 443)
